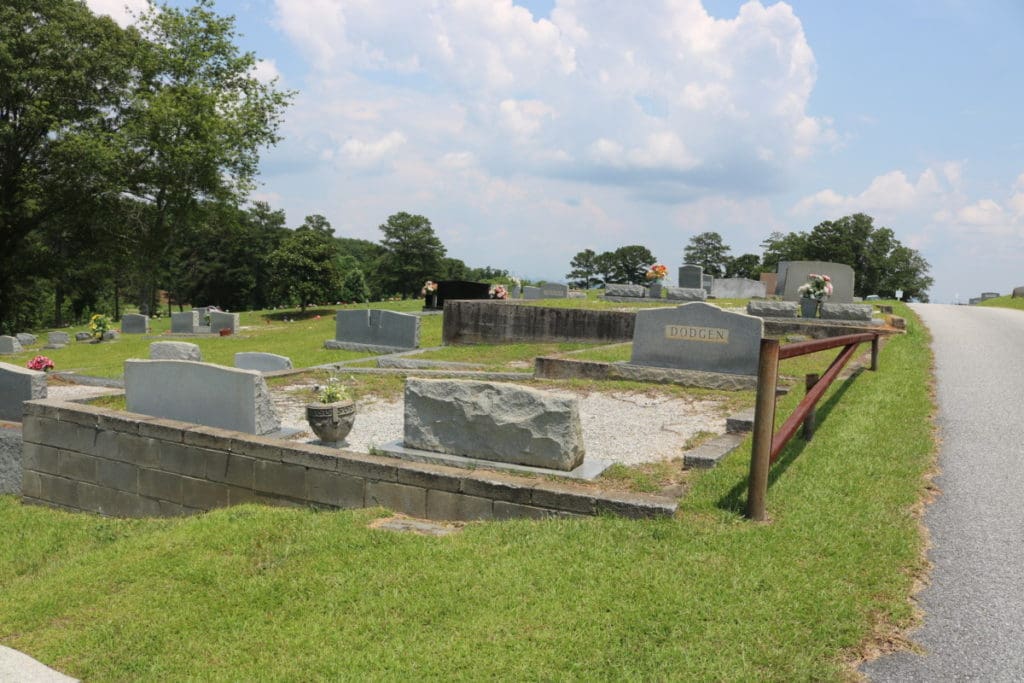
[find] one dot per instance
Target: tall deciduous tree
(584, 273)
(708, 251)
(304, 268)
(631, 263)
(413, 253)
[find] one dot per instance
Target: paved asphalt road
(973, 628)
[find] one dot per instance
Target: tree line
(881, 264)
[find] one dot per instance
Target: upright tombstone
(26, 339)
(737, 288)
(375, 330)
(685, 294)
(493, 421)
(770, 282)
(219, 320)
(185, 322)
(532, 293)
(554, 290)
(262, 362)
(458, 289)
(697, 336)
(691, 276)
(9, 345)
(171, 350)
(57, 340)
(1018, 292)
(707, 281)
(17, 385)
(133, 323)
(201, 393)
(985, 296)
(626, 291)
(792, 274)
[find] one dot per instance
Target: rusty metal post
(811, 420)
(874, 353)
(764, 426)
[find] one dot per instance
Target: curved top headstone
(792, 274)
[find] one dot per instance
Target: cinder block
(162, 485)
(216, 465)
(209, 437)
(183, 459)
(505, 511)
(204, 495)
(370, 467)
(162, 429)
(122, 476)
(138, 450)
(408, 500)
(70, 437)
(429, 477)
(39, 458)
(81, 415)
(454, 506)
(313, 457)
(76, 466)
(338, 490)
(257, 447)
(58, 490)
(498, 487)
(280, 478)
(636, 506)
(241, 471)
(115, 421)
(165, 508)
(31, 485)
(547, 495)
(34, 429)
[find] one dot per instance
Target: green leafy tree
(304, 268)
(783, 247)
(746, 265)
(413, 254)
(606, 266)
(630, 264)
(584, 273)
(708, 251)
(353, 287)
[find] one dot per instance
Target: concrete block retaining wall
(491, 322)
(82, 457)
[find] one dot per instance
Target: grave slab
(9, 345)
(831, 311)
(171, 350)
(262, 362)
(685, 294)
(773, 309)
(17, 385)
(634, 291)
(26, 339)
(375, 328)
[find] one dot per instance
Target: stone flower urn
(809, 307)
(331, 422)
(655, 290)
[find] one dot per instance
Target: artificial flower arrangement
(99, 325)
(332, 392)
(429, 287)
(657, 272)
(41, 363)
(817, 287)
(499, 292)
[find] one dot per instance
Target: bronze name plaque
(709, 335)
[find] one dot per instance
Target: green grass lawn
(255, 593)
(1004, 302)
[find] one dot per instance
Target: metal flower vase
(655, 290)
(809, 307)
(331, 422)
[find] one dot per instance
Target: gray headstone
(17, 385)
(737, 288)
(697, 336)
(219, 320)
(975, 300)
(1017, 292)
(691, 276)
(773, 309)
(553, 290)
(638, 291)
(58, 338)
(110, 335)
(830, 311)
(792, 274)
(493, 421)
(26, 339)
(985, 296)
(133, 323)
(9, 344)
(376, 327)
(82, 336)
(531, 292)
(685, 293)
(201, 393)
(184, 322)
(262, 362)
(172, 350)
(201, 313)
(707, 282)
(11, 445)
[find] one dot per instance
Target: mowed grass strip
(290, 594)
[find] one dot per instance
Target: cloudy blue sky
(530, 130)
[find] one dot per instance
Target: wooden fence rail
(767, 445)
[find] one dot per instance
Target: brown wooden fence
(767, 443)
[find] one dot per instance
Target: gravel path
(973, 626)
(628, 428)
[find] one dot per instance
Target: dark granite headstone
(691, 276)
(458, 289)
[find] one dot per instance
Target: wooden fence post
(764, 427)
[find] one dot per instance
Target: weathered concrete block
(17, 385)
(773, 309)
(11, 447)
(262, 362)
(493, 421)
(201, 393)
(336, 490)
(173, 350)
(133, 323)
(281, 479)
(443, 505)
(408, 500)
(845, 311)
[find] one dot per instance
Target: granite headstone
(691, 276)
(17, 385)
(375, 328)
(134, 323)
(793, 274)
